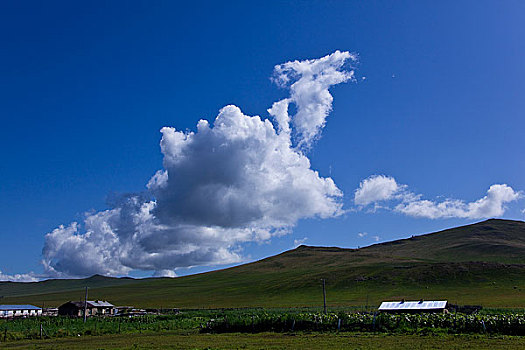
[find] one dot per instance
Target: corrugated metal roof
(19, 307)
(90, 304)
(78, 304)
(412, 305)
(99, 303)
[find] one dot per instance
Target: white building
(19, 311)
(413, 306)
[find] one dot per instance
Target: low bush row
(261, 320)
(506, 324)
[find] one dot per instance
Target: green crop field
(266, 320)
(481, 264)
(268, 329)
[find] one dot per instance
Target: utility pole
(324, 295)
(85, 305)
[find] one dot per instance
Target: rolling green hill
(482, 263)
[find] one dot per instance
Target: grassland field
(194, 340)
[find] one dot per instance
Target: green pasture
(195, 340)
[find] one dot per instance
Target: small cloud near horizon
(21, 277)
(298, 242)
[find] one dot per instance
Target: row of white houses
(7, 311)
(71, 308)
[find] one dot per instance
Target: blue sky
(86, 87)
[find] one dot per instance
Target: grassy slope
(483, 263)
(9, 289)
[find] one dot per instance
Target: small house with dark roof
(8, 311)
(93, 308)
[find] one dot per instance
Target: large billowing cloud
(241, 179)
(381, 190)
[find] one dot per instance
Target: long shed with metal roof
(7, 311)
(413, 306)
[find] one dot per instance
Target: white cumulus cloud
(493, 204)
(382, 189)
(309, 81)
(376, 188)
(239, 179)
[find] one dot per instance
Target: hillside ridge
(481, 263)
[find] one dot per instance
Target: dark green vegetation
(482, 264)
(59, 327)
(259, 320)
(510, 324)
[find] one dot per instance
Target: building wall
(69, 310)
(73, 310)
(19, 313)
